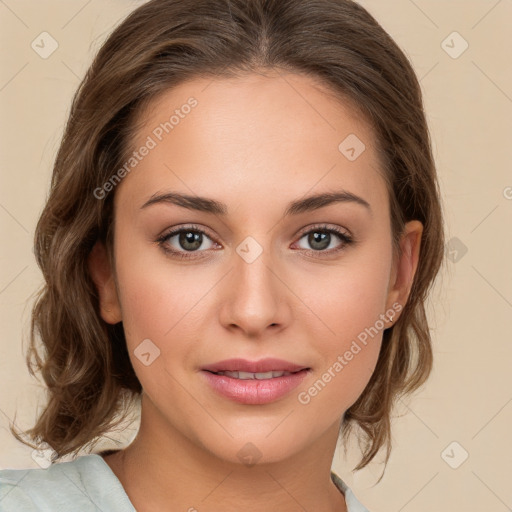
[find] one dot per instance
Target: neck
(162, 468)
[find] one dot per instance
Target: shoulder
(353, 504)
(84, 484)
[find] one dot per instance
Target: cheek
(361, 299)
(350, 334)
(164, 306)
(346, 299)
(159, 300)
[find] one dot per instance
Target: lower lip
(254, 391)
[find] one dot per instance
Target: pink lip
(254, 391)
(261, 366)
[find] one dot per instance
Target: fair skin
(254, 144)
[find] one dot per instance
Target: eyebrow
(307, 204)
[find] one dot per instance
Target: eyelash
(345, 238)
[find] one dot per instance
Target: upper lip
(261, 366)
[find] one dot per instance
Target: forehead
(282, 134)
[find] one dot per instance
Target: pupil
(322, 239)
(189, 237)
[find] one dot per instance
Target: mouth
(257, 376)
(256, 382)
(243, 369)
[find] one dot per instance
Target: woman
(243, 226)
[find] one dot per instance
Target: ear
(103, 277)
(405, 265)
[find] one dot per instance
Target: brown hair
(163, 43)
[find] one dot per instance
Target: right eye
(187, 240)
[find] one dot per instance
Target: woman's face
(258, 270)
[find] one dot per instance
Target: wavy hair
(85, 363)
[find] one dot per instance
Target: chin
(258, 449)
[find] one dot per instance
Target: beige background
(469, 105)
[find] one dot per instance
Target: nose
(255, 298)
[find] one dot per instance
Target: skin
(254, 143)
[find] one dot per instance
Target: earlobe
(103, 277)
(406, 265)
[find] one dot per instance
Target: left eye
(320, 239)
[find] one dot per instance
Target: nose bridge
(252, 270)
(254, 299)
